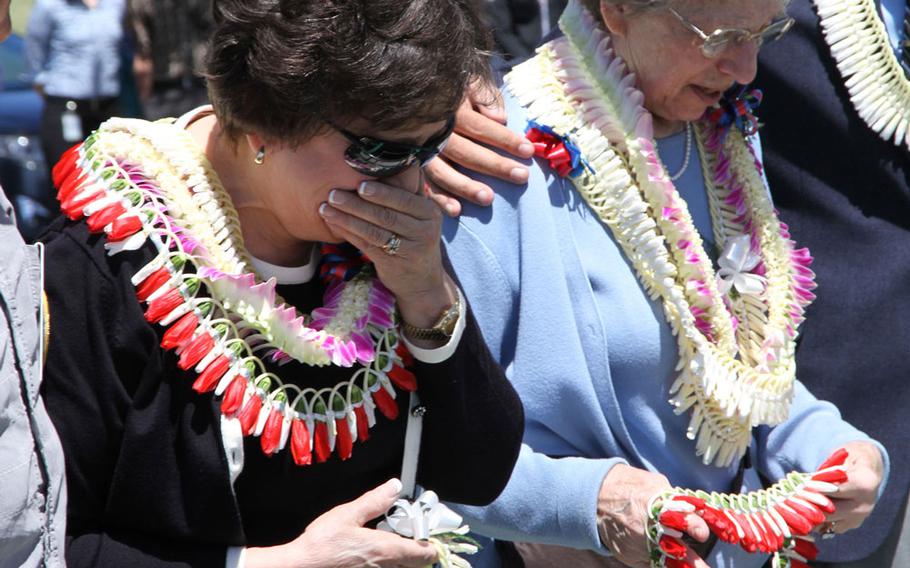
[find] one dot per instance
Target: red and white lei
(736, 346)
(139, 182)
(777, 520)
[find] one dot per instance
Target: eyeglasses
(380, 158)
(714, 43)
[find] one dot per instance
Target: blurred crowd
(71, 65)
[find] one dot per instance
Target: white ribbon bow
(736, 263)
(422, 518)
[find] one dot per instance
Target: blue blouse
(75, 51)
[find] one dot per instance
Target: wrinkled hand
(397, 206)
(855, 498)
(338, 539)
(622, 513)
(480, 120)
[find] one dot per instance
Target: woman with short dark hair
(226, 372)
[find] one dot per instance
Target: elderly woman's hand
(338, 539)
(398, 227)
(622, 512)
(855, 498)
(480, 120)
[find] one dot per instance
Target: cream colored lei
(732, 377)
(878, 86)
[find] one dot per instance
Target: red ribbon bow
(552, 149)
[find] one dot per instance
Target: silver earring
(260, 156)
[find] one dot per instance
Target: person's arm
(549, 500)
(810, 434)
(573, 501)
(37, 42)
(813, 431)
(139, 27)
(473, 414)
(474, 422)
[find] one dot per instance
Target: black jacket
(147, 476)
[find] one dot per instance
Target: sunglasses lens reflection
(375, 165)
(380, 158)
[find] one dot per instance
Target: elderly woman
(231, 383)
(641, 292)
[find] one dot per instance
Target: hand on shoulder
(480, 120)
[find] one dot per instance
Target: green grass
(19, 10)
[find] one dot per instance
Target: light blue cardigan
(592, 358)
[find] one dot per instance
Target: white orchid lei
(736, 349)
(878, 86)
(139, 182)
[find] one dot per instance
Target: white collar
(288, 274)
(191, 116)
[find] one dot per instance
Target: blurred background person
(23, 173)
(74, 49)
(518, 26)
(170, 37)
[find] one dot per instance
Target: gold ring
(391, 246)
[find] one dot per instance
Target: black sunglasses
(380, 158)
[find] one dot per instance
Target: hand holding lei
(426, 518)
(777, 520)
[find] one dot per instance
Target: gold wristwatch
(441, 331)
